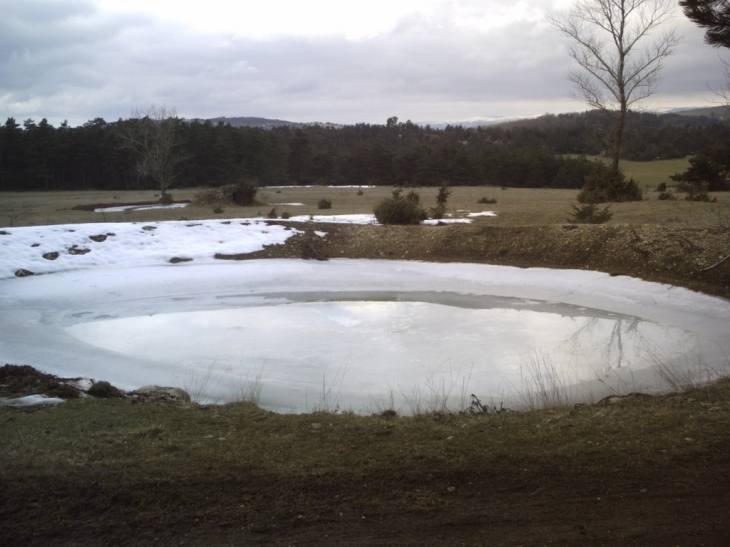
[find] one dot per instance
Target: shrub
(166, 199)
(400, 210)
(698, 192)
(285, 215)
(443, 196)
(442, 199)
(604, 184)
(667, 196)
(412, 196)
(324, 204)
(487, 200)
(662, 187)
(241, 193)
(360, 192)
(590, 214)
(437, 212)
(272, 213)
(218, 210)
(244, 193)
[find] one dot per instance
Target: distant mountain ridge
(676, 116)
(248, 121)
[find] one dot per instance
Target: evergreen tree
(713, 15)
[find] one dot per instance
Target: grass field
(514, 207)
(650, 173)
(642, 471)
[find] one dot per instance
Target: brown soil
(660, 484)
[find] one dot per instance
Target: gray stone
(157, 393)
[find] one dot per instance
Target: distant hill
(714, 112)
(474, 122)
(693, 117)
(265, 122)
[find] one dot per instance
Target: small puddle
(371, 351)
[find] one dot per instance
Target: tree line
(39, 156)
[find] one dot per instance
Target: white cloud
(324, 61)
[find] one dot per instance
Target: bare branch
(152, 132)
(606, 40)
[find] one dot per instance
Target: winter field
(138, 297)
(148, 303)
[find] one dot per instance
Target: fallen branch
(715, 264)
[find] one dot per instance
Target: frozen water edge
(37, 313)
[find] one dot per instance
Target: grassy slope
(638, 471)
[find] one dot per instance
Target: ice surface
(360, 334)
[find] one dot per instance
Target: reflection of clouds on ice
(381, 343)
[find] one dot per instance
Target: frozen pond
(361, 335)
(406, 350)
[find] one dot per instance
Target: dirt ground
(685, 257)
(654, 471)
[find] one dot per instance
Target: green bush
(604, 184)
(324, 204)
(662, 187)
(590, 214)
(698, 192)
(443, 196)
(400, 210)
(244, 193)
(272, 213)
(667, 196)
(437, 212)
(285, 215)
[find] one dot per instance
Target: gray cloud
(69, 61)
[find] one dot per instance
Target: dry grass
(514, 207)
(174, 470)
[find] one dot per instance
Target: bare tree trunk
(618, 134)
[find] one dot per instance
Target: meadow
(631, 470)
(514, 206)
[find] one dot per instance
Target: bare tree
(153, 133)
(609, 39)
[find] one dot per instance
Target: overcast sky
(315, 60)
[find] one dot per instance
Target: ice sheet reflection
(368, 352)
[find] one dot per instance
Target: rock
(178, 259)
(99, 238)
(104, 390)
(50, 256)
(76, 251)
(23, 273)
(18, 380)
(162, 394)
